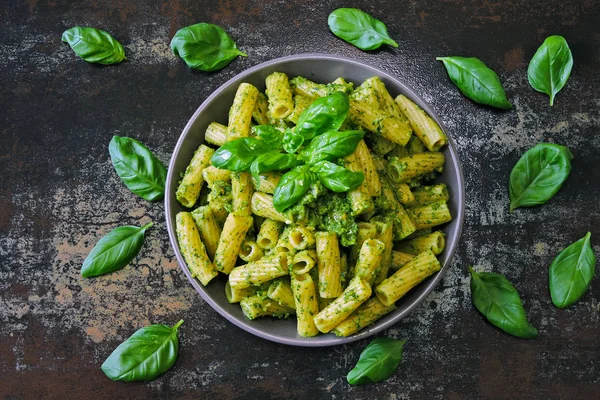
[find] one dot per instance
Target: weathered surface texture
(59, 194)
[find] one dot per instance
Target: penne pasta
(230, 242)
(193, 250)
(188, 190)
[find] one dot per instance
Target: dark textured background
(60, 194)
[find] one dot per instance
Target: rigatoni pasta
(337, 260)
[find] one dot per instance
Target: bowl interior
(323, 69)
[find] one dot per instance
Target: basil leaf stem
(94, 45)
(571, 272)
(377, 361)
(148, 353)
(114, 251)
(476, 81)
(539, 174)
(206, 47)
(138, 168)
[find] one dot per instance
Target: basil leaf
(324, 114)
(550, 66)
(148, 353)
(498, 300)
(571, 272)
(292, 186)
(94, 45)
(138, 168)
(272, 161)
(238, 154)
(206, 47)
(336, 178)
(331, 145)
(292, 141)
(359, 28)
(539, 174)
(114, 251)
(269, 134)
(476, 81)
(378, 361)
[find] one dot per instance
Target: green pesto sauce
(333, 214)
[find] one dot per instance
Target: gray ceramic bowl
(320, 68)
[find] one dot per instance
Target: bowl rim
(321, 340)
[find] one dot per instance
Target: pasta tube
(216, 134)
(385, 233)
(434, 242)
(191, 183)
(357, 292)
(301, 103)
(431, 194)
(241, 191)
(369, 260)
(307, 88)
(329, 264)
(250, 251)
(257, 272)
(360, 199)
(301, 237)
(304, 261)
(403, 169)
(269, 232)
(400, 259)
(240, 114)
(281, 292)
(422, 124)
(366, 230)
(279, 93)
(261, 306)
(414, 272)
(193, 250)
(212, 174)
(237, 295)
(307, 306)
(268, 182)
(262, 205)
(364, 316)
(234, 231)
(430, 215)
(210, 231)
(363, 155)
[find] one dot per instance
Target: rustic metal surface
(60, 194)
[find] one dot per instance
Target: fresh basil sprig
(206, 47)
(138, 168)
(331, 145)
(324, 114)
(148, 353)
(114, 251)
(377, 361)
(498, 300)
(239, 154)
(550, 66)
(94, 45)
(571, 272)
(476, 81)
(336, 178)
(539, 174)
(359, 28)
(271, 161)
(292, 186)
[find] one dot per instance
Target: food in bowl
(325, 209)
